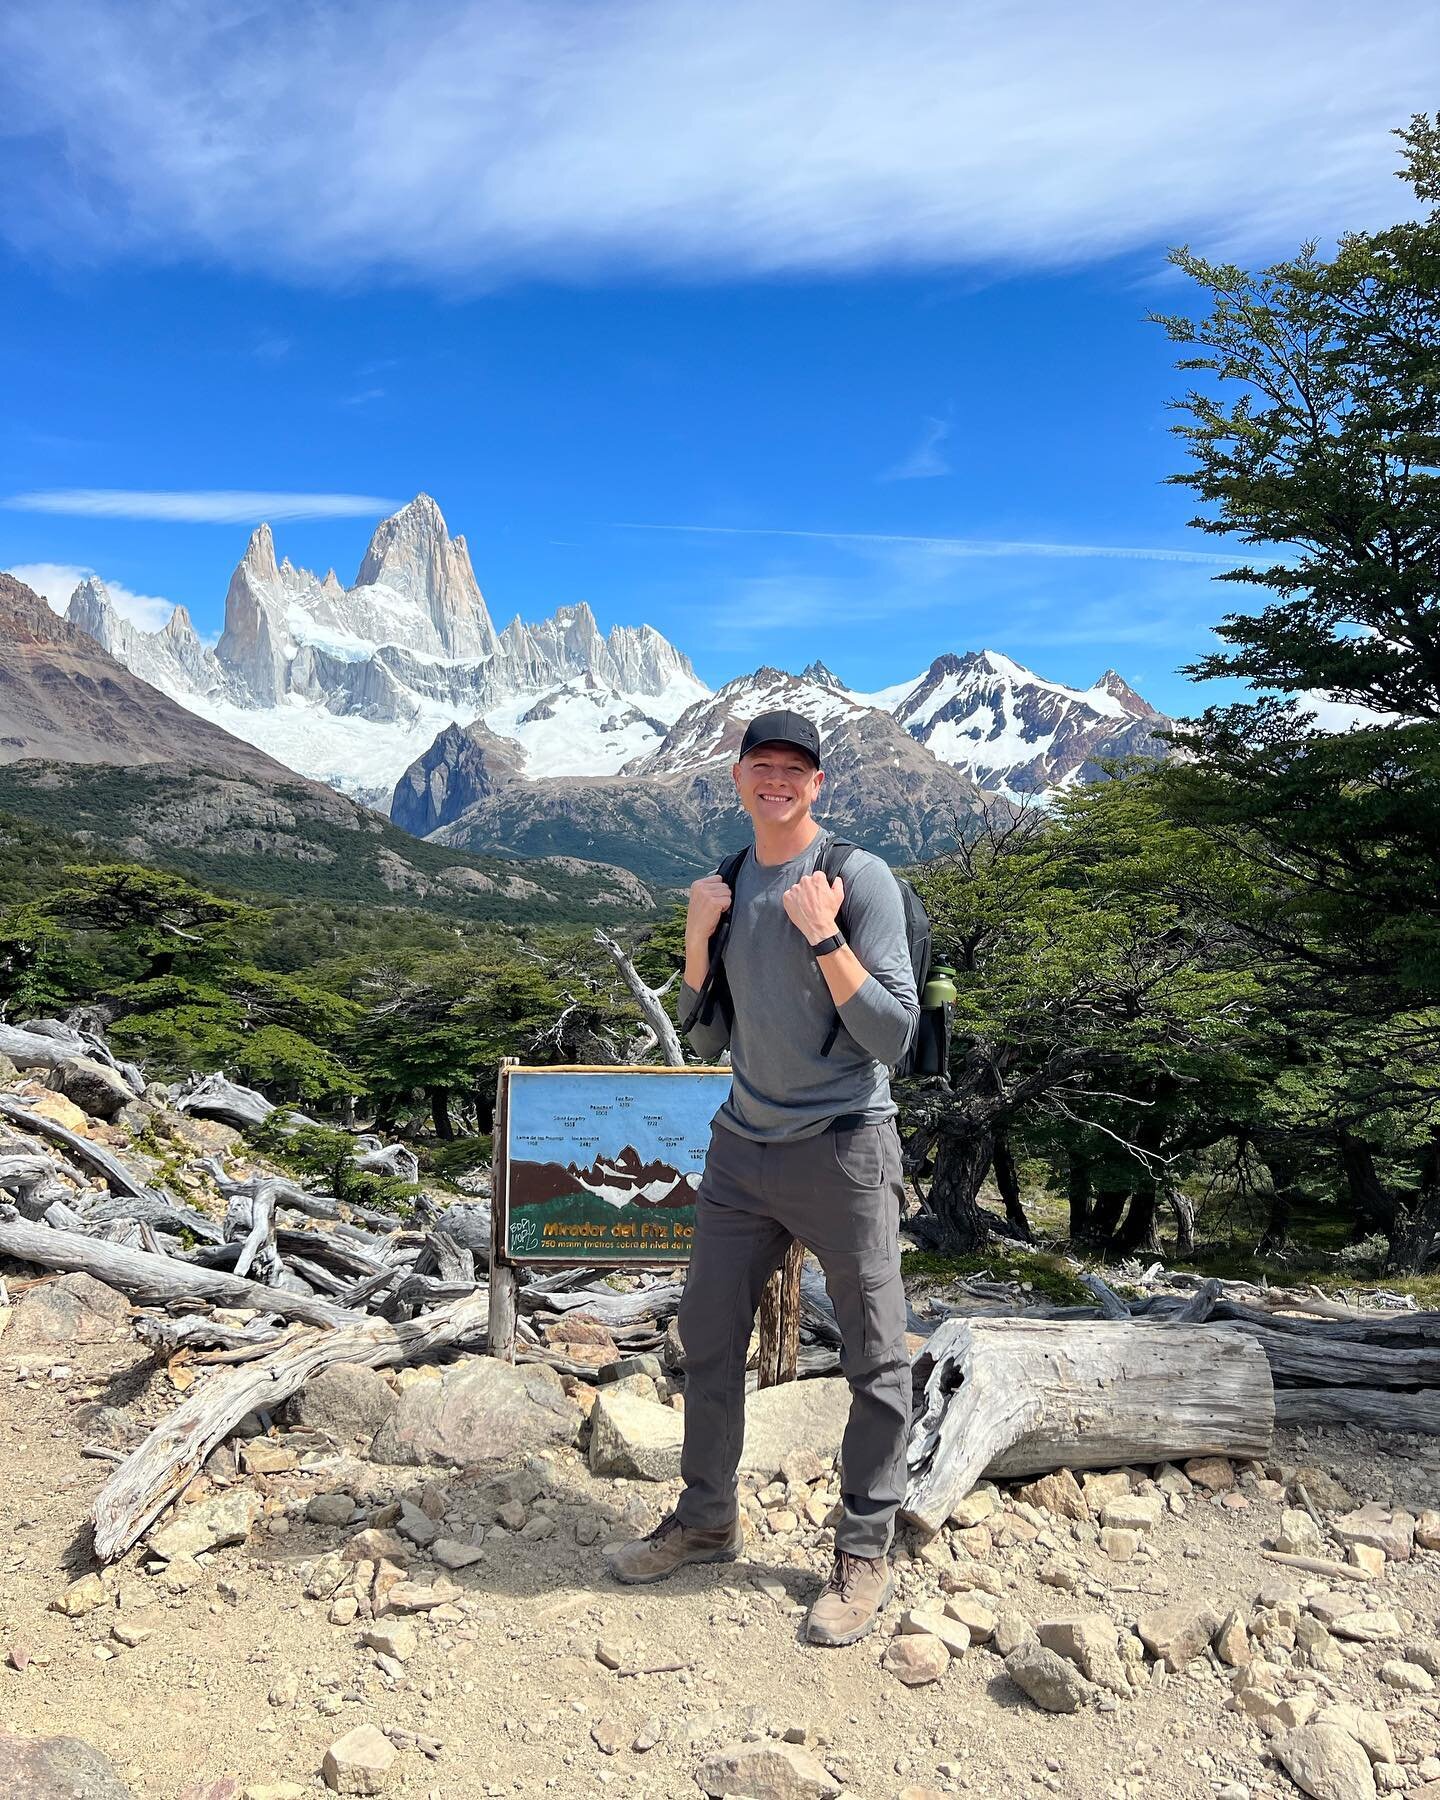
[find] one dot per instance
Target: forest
(1198, 1001)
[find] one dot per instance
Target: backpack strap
(710, 992)
(832, 861)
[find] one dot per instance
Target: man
(805, 1148)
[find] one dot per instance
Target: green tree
(1316, 439)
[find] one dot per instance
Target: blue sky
(794, 330)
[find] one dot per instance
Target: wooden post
(780, 1320)
(503, 1285)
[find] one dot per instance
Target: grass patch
(1047, 1276)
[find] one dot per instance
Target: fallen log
(1306, 1360)
(217, 1098)
(1007, 1397)
(158, 1470)
(153, 1280)
(1376, 1409)
(158, 1211)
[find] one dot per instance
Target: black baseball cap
(782, 728)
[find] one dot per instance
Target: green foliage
(1049, 1277)
(326, 1155)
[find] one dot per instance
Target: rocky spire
(413, 554)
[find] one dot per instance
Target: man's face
(777, 783)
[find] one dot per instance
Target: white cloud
(216, 507)
(450, 140)
(56, 582)
(927, 459)
(948, 548)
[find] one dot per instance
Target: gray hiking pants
(840, 1195)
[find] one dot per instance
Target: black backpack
(928, 1051)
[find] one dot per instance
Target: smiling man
(805, 1147)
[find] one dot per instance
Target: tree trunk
(1183, 1208)
(1078, 1186)
(1276, 1235)
(961, 1164)
(440, 1113)
(1374, 1205)
(1007, 1179)
(1139, 1232)
(1105, 1214)
(1413, 1244)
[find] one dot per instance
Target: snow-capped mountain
(349, 685)
(1013, 732)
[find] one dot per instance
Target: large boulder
(57, 1768)
(480, 1410)
(71, 1309)
(97, 1090)
(347, 1400)
(634, 1437)
(796, 1415)
(1326, 1762)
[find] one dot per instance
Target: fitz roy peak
(349, 685)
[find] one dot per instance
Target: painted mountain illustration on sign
(621, 1180)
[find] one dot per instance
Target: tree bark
(1007, 1180)
(440, 1114)
(1009, 1397)
(1413, 1244)
(1276, 1235)
(1139, 1233)
(1105, 1214)
(1183, 1208)
(1078, 1188)
(961, 1225)
(1374, 1204)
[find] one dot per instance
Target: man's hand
(709, 898)
(813, 905)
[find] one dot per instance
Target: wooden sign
(599, 1166)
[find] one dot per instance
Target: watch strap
(826, 945)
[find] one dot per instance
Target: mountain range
(553, 738)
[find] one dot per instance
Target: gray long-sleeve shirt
(782, 1086)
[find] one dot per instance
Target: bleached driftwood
(152, 1280)
(157, 1470)
(1306, 1360)
(1008, 1397)
(648, 999)
(199, 1333)
(80, 1150)
(217, 1098)
(386, 1159)
(1377, 1409)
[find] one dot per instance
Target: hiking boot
(859, 1590)
(669, 1547)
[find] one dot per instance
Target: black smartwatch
(826, 945)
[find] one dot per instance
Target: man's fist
(813, 905)
(709, 897)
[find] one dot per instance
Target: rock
(284, 1690)
(330, 1509)
(1331, 1604)
(1231, 1642)
(1057, 1493)
(1370, 1730)
(452, 1554)
(952, 1633)
(1427, 1529)
(225, 1519)
(1298, 1535)
(81, 1597)
(480, 1410)
(608, 1735)
(970, 1610)
(1366, 1557)
(263, 1456)
(1327, 1763)
(808, 1415)
(412, 1596)
(71, 1309)
(634, 1437)
(1050, 1681)
(359, 1762)
(374, 1545)
(395, 1637)
(1177, 1633)
(1119, 1546)
(803, 1468)
(91, 1085)
(416, 1525)
(1012, 1632)
(1212, 1474)
(347, 1400)
(1408, 1677)
(1139, 1513)
(1366, 1627)
(975, 1508)
(57, 1768)
(916, 1658)
(1325, 1493)
(634, 1363)
(1392, 1532)
(1089, 1643)
(64, 1112)
(766, 1771)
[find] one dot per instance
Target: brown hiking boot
(859, 1590)
(669, 1547)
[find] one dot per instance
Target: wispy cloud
(955, 547)
(223, 506)
(515, 137)
(927, 459)
(56, 582)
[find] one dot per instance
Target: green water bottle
(939, 989)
